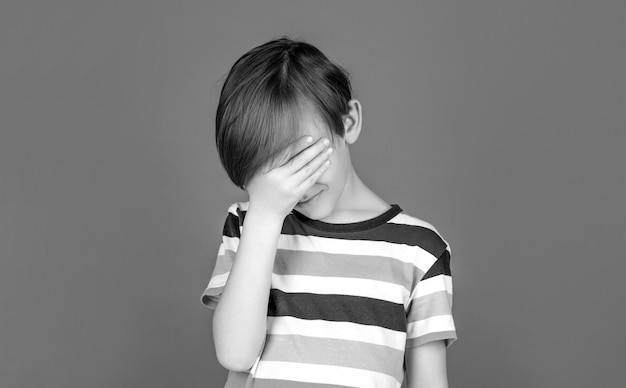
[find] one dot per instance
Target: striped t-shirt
(346, 300)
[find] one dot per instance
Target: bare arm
(426, 365)
(239, 321)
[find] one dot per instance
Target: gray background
(500, 122)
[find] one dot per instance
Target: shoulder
(417, 231)
(234, 218)
(238, 209)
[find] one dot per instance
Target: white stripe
(406, 219)
(422, 259)
(431, 285)
(324, 374)
(218, 280)
(430, 325)
(415, 255)
(341, 285)
(242, 205)
(228, 243)
(337, 330)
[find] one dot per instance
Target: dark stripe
(351, 226)
(231, 226)
(412, 235)
(440, 267)
(333, 307)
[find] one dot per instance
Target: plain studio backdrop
(500, 122)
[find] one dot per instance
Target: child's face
(324, 195)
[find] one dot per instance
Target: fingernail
(326, 142)
(330, 150)
(309, 139)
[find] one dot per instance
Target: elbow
(235, 361)
(234, 355)
(236, 351)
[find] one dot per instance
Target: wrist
(267, 217)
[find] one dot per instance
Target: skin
(342, 197)
(322, 172)
(426, 366)
(240, 318)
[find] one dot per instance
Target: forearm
(239, 321)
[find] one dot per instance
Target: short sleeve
(429, 314)
(225, 256)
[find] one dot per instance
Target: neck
(357, 202)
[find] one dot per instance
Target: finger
(284, 155)
(301, 144)
(312, 166)
(310, 181)
(305, 156)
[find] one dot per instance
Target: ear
(352, 122)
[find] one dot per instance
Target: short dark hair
(262, 101)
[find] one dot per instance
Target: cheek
(335, 175)
(326, 179)
(337, 168)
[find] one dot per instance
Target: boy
(319, 282)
